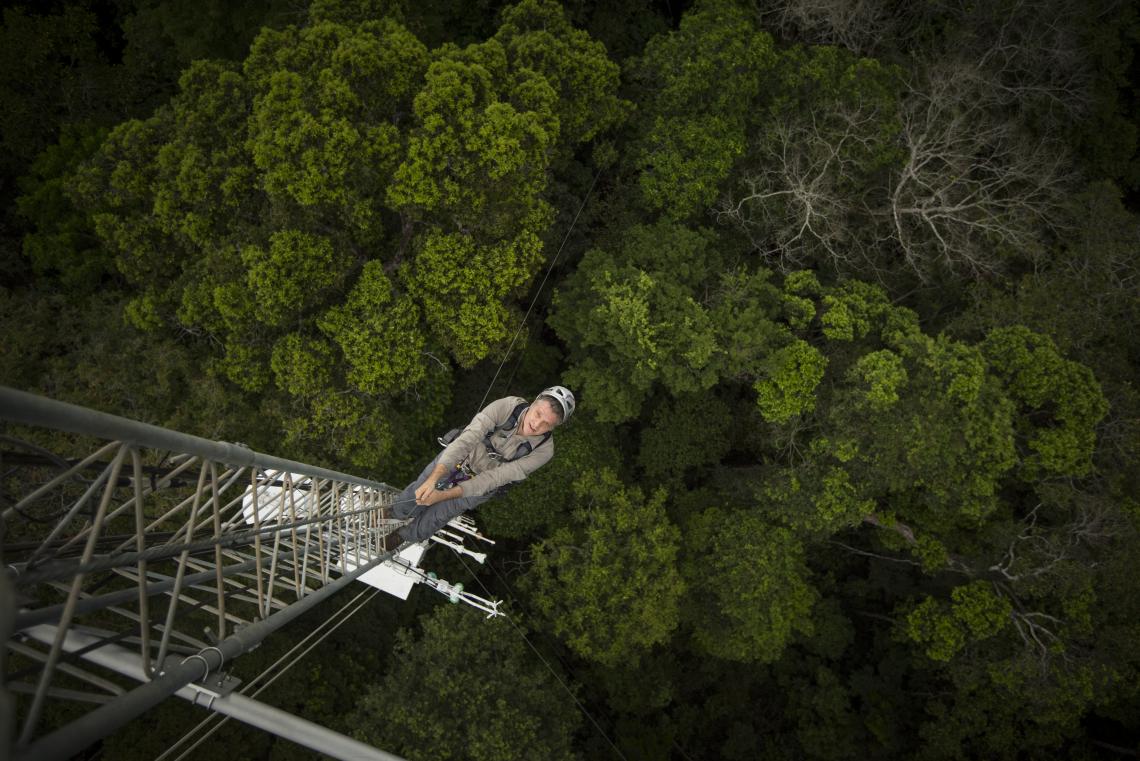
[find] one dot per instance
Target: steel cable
(546, 663)
(328, 622)
(538, 293)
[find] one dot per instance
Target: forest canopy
(848, 291)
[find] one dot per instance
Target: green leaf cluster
(481, 695)
(697, 84)
(973, 613)
(749, 586)
(346, 196)
(608, 583)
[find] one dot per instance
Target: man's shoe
(390, 542)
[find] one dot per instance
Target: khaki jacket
(491, 473)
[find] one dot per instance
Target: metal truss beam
(167, 539)
(62, 745)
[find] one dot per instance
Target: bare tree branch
(804, 199)
(970, 184)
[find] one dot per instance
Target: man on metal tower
(503, 444)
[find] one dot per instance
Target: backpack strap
(525, 448)
(513, 420)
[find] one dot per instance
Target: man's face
(539, 418)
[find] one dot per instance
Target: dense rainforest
(848, 291)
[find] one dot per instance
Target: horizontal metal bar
(22, 688)
(64, 569)
(292, 727)
(74, 737)
(31, 409)
(103, 541)
(64, 668)
(26, 618)
(237, 706)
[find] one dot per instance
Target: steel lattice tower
(133, 550)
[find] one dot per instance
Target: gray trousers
(427, 520)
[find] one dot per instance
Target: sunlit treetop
(347, 193)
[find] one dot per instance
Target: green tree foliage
(868, 420)
(635, 316)
(787, 389)
(959, 404)
(959, 441)
(62, 242)
(351, 12)
(53, 73)
(1060, 399)
(1078, 296)
(377, 333)
(697, 84)
(328, 147)
(346, 196)
(489, 120)
(974, 613)
(817, 497)
(538, 36)
(153, 379)
(686, 432)
(538, 505)
(481, 694)
(162, 37)
(749, 587)
(889, 499)
(608, 584)
(823, 711)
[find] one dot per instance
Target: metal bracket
(214, 686)
(217, 684)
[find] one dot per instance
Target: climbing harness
(462, 472)
(512, 422)
(458, 475)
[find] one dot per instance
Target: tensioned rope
(546, 663)
(512, 597)
(286, 659)
(538, 293)
(491, 385)
(506, 355)
(498, 370)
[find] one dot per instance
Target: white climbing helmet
(563, 396)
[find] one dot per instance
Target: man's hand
(430, 495)
(427, 495)
(428, 486)
(424, 492)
